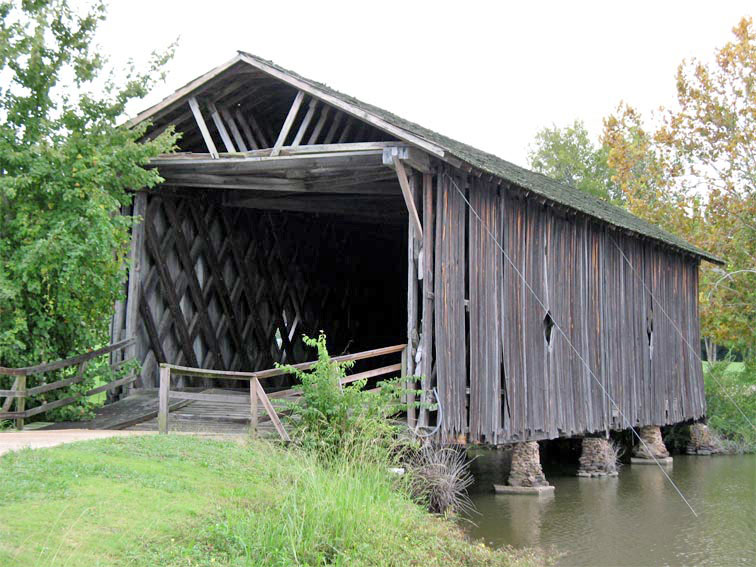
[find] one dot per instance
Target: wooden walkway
(138, 412)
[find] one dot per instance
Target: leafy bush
(338, 420)
(725, 385)
(67, 172)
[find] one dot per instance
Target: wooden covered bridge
(289, 207)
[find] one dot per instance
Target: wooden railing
(257, 394)
(19, 391)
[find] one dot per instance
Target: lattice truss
(231, 288)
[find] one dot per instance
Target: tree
(67, 169)
(569, 156)
(696, 175)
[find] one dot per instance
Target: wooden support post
(215, 115)
(194, 105)
(287, 124)
(427, 322)
(413, 250)
(20, 401)
(136, 257)
(401, 173)
(253, 406)
(163, 396)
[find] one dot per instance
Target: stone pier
(701, 441)
(597, 458)
(526, 475)
(653, 442)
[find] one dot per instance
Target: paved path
(13, 441)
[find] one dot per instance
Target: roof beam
(415, 158)
(401, 173)
(194, 105)
(288, 123)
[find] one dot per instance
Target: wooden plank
(288, 122)
(271, 412)
(305, 123)
(21, 402)
(235, 133)
(253, 144)
(382, 371)
(408, 198)
(218, 121)
(254, 418)
(163, 398)
(194, 106)
(114, 384)
(136, 262)
(426, 364)
(57, 365)
(313, 139)
(203, 397)
(331, 134)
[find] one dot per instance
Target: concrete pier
(526, 475)
(597, 458)
(652, 450)
(701, 441)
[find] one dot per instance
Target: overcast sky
(487, 73)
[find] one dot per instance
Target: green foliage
(178, 500)
(569, 156)
(723, 386)
(67, 169)
(337, 420)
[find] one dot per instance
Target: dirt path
(13, 441)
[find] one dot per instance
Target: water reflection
(634, 519)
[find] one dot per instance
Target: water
(631, 520)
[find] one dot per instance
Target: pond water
(631, 520)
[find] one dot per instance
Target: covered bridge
(291, 208)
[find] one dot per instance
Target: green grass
(180, 501)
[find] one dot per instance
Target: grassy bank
(725, 383)
(180, 501)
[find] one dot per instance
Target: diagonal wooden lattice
(226, 288)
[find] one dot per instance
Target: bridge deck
(138, 412)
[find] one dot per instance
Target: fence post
(253, 403)
(20, 401)
(165, 386)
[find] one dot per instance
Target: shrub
(726, 387)
(338, 420)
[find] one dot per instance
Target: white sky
(487, 73)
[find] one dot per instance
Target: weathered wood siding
(525, 381)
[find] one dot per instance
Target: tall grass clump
(725, 387)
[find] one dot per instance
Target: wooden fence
(19, 391)
(257, 394)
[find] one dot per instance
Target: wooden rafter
(305, 123)
(226, 115)
(288, 123)
(194, 105)
(215, 115)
